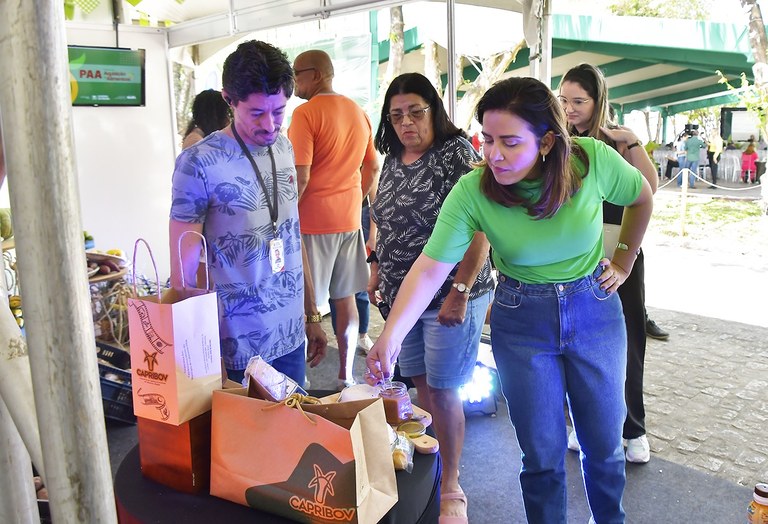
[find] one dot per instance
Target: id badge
(276, 255)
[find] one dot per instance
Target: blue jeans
(446, 355)
(553, 342)
(693, 165)
(293, 365)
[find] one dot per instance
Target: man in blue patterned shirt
(238, 188)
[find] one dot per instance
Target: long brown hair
(592, 81)
(531, 100)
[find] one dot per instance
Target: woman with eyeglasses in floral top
(425, 156)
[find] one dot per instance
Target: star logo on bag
(323, 484)
(151, 360)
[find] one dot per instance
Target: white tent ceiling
(197, 21)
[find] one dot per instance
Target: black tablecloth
(142, 500)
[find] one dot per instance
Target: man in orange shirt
(336, 166)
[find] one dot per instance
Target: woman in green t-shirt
(557, 328)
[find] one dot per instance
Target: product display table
(141, 500)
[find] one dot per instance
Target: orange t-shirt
(333, 135)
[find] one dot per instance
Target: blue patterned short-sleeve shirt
(260, 312)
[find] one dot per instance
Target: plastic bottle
(757, 512)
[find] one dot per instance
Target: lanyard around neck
(272, 206)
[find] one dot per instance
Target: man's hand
(317, 344)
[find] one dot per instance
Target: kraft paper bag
(300, 465)
(175, 353)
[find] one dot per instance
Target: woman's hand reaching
(380, 361)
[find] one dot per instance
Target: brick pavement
(706, 396)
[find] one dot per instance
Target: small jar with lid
(757, 512)
(397, 403)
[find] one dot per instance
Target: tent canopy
(661, 64)
(665, 65)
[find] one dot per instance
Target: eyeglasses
(297, 71)
(413, 114)
(575, 103)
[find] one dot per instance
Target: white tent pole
(37, 119)
(537, 20)
(450, 89)
(545, 73)
(18, 501)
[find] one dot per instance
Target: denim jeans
(293, 365)
(693, 165)
(558, 342)
(446, 355)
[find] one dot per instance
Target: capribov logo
(322, 483)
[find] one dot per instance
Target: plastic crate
(117, 397)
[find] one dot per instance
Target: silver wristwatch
(461, 287)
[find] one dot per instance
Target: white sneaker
(573, 442)
(638, 450)
(365, 343)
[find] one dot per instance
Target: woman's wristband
(633, 144)
(372, 258)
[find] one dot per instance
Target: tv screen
(106, 76)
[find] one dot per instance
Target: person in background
(210, 112)
(714, 152)
(749, 164)
(362, 301)
(425, 157)
(238, 188)
(584, 97)
(557, 330)
(678, 159)
(336, 164)
(762, 156)
(693, 147)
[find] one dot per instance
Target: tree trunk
(757, 41)
(491, 70)
(647, 115)
(396, 50)
(432, 66)
(659, 128)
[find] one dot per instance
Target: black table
(141, 500)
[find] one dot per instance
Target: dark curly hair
(209, 112)
(257, 67)
(387, 142)
(532, 101)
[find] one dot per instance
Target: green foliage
(683, 9)
(752, 97)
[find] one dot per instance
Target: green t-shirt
(562, 248)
